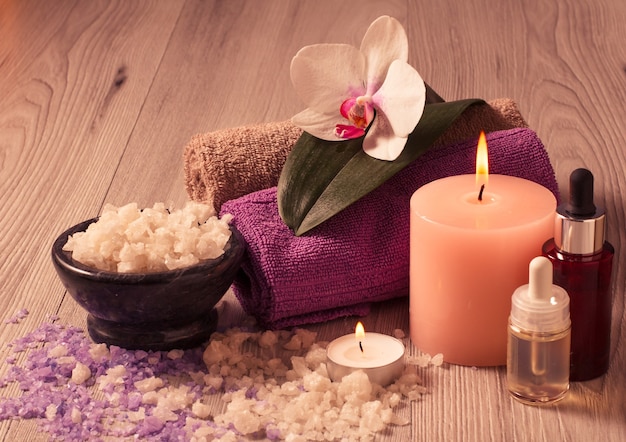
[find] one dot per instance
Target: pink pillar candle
(467, 257)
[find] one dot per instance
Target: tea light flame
(359, 334)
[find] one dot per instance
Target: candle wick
(361, 346)
(480, 194)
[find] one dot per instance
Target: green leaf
(321, 178)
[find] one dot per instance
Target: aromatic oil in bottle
(538, 350)
(583, 262)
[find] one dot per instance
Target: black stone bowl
(149, 311)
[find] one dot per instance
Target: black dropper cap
(579, 224)
(581, 194)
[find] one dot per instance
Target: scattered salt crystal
(394, 400)
(148, 384)
(275, 364)
(175, 398)
(99, 352)
(300, 367)
(164, 413)
(175, 354)
(113, 376)
(66, 360)
(76, 416)
(17, 317)
(51, 411)
(421, 360)
(229, 436)
(400, 421)
(151, 425)
(202, 434)
(398, 333)
(215, 352)
(246, 422)
(137, 416)
(114, 398)
(289, 389)
(150, 398)
(307, 337)
(215, 382)
(295, 343)
(80, 373)
(58, 351)
(315, 382)
(268, 339)
(201, 410)
(315, 356)
(372, 414)
(437, 360)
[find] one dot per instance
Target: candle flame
(359, 331)
(482, 161)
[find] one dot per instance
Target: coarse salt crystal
(58, 351)
(437, 360)
(17, 317)
(150, 398)
(99, 352)
(399, 333)
(201, 410)
(175, 354)
(51, 411)
(113, 376)
(149, 384)
(76, 416)
(202, 434)
(295, 343)
(80, 373)
(137, 416)
(246, 422)
(268, 339)
(164, 414)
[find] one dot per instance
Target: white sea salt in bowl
(149, 310)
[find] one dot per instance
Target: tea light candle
(467, 257)
(380, 356)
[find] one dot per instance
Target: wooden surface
(98, 98)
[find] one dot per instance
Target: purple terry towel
(361, 255)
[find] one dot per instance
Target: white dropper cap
(540, 306)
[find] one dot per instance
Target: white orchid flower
(348, 90)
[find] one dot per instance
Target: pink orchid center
(359, 112)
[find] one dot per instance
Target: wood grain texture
(98, 99)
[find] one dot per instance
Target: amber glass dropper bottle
(583, 261)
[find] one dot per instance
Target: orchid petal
(318, 124)
(345, 107)
(401, 98)
(347, 132)
(384, 42)
(381, 142)
(325, 75)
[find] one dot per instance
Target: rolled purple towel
(361, 255)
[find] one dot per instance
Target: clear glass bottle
(583, 263)
(538, 350)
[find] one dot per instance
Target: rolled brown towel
(229, 163)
